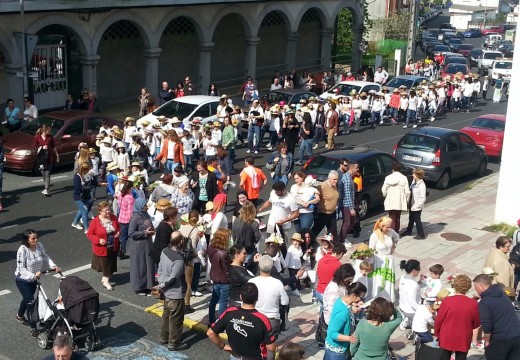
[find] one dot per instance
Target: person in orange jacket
(395, 101)
(172, 152)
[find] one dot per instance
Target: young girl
(129, 130)
(208, 144)
(409, 298)
(123, 160)
(216, 133)
(293, 256)
(189, 144)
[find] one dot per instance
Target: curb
(157, 310)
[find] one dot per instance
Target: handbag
(321, 330)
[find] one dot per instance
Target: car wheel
(444, 180)
(482, 168)
(364, 206)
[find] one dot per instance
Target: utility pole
(24, 52)
(410, 47)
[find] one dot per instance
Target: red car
(68, 127)
(492, 29)
(452, 69)
(488, 132)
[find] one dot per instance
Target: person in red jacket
(103, 232)
(395, 100)
(456, 318)
(327, 265)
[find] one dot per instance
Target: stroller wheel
(91, 343)
(43, 341)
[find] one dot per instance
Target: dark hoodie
(497, 314)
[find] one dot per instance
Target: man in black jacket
(500, 325)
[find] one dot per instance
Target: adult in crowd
(329, 197)
(418, 198)
(145, 102)
(183, 197)
(191, 235)
(12, 116)
(306, 136)
(254, 341)
(307, 197)
(337, 288)
(241, 200)
(456, 319)
(238, 274)
(165, 93)
(126, 205)
(63, 349)
(252, 179)
(82, 195)
(498, 260)
(271, 294)
(204, 186)
(384, 240)
(140, 231)
(103, 232)
(348, 204)
(224, 163)
(172, 152)
(217, 256)
(172, 284)
(284, 210)
(31, 261)
(163, 232)
(213, 90)
(217, 218)
(246, 232)
(331, 124)
(281, 164)
(156, 212)
(46, 155)
(30, 111)
(499, 322)
(327, 266)
(226, 152)
(256, 119)
(164, 189)
(340, 328)
(199, 248)
(374, 331)
(396, 192)
(409, 296)
(290, 130)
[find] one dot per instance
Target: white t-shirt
(409, 298)
(293, 257)
(270, 294)
(423, 317)
(282, 207)
(303, 193)
(188, 144)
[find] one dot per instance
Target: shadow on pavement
(26, 220)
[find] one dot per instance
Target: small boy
(208, 144)
(294, 255)
(362, 272)
(433, 284)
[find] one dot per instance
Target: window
(213, 107)
(296, 98)
(93, 125)
(387, 161)
(322, 166)
(203, 111)
(452, 144)
(466, 143)
(74, 128)
(371, 166)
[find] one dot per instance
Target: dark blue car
(472, 33)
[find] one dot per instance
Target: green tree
(394, 27)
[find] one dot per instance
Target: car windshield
(175, 108)
(276, 97)
(456, 60)
(508, 65)
(441, 48)
(455, 68)
(32, 127)
(419, 142)
(492, 55)
(492, 124)
(399, 81)
(465, 47)
(476, 53)
(345, 89)
(455, 41)
(322, 166)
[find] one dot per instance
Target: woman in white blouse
(31, 261)
(384, 240)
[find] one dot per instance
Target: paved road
(122, 318)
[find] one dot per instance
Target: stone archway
(271, 51)
(121, 68)
(179, 51)
(308, 49)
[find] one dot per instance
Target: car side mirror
(66, 137)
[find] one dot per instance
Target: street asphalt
(123, 324)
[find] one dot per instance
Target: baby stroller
(72, 313)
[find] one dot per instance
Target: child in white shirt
(208, 144)
(423, 321)
(432, 285)
(362, 270)
(293, 256)
(123, 160)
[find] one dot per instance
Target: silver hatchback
(444, 154)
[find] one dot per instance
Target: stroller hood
(80, 300)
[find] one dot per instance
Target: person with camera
(172, 284)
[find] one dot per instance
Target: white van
(492, 39)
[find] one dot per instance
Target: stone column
(356, 53)
(326, 47)
(290, 55)
(205, 49)
(251, 44)
(15, 83)
(151, 68)
(89, 68)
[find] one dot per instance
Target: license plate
(412, 158)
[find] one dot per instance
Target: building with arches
(114, 48)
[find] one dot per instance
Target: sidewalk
(455, 240)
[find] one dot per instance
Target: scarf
(251, 172)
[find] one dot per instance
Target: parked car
(410, 81)
(472, 33)
(502, 67)
(455, 60)
(427, 40)
(447, 26)
(485, 61)
(492, 29)
(454, 44)
(289, 96)
(439, 49)
(474, 55)
(488, 132)
(465, 49)
(186, 108)
(452, 69)
(68, 127)
(444, 154)
(447, 37)
(345, 87)
(374, 166)
(492, 39)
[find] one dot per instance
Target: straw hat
(185, 218)
(209, 206)
(297, 237)
(129, 119)
(234, 122)
(396, 90)
(112, 166)
(156, 126)
(162, 204)
(107, 140)
(120, 145)
(92, 151)
(216, 123)
(174, 120)
(145, 123)
(135, 163)
(362, 247)
(223, 96)
(162, 118)
(99, 137)
(130, 178)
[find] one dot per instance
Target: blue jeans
(196, 277)
(219, 295)
(425, 337)
(82, 213)
(375, 118)
(123, 237)
(27, 289)
(305, 147)
(169, 166)
(331, 355)
(411, 115)
(273, 138)
(252, 132)
(319, 298)
(282, 178)
(188, 161)
(466, 102)
(304, 221)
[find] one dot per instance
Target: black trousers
(414, 217)
(503, 349)
(458, 355)
(326, 220)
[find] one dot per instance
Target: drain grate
(455, 237)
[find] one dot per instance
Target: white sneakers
(77, 226)
(348, 244)
(45, 192)
(248, 151)
(196, 293)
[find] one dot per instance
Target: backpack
(86, 190)
(247, 237)
(187, 253)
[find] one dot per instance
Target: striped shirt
(29, 262)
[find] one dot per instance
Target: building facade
(116, 47)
